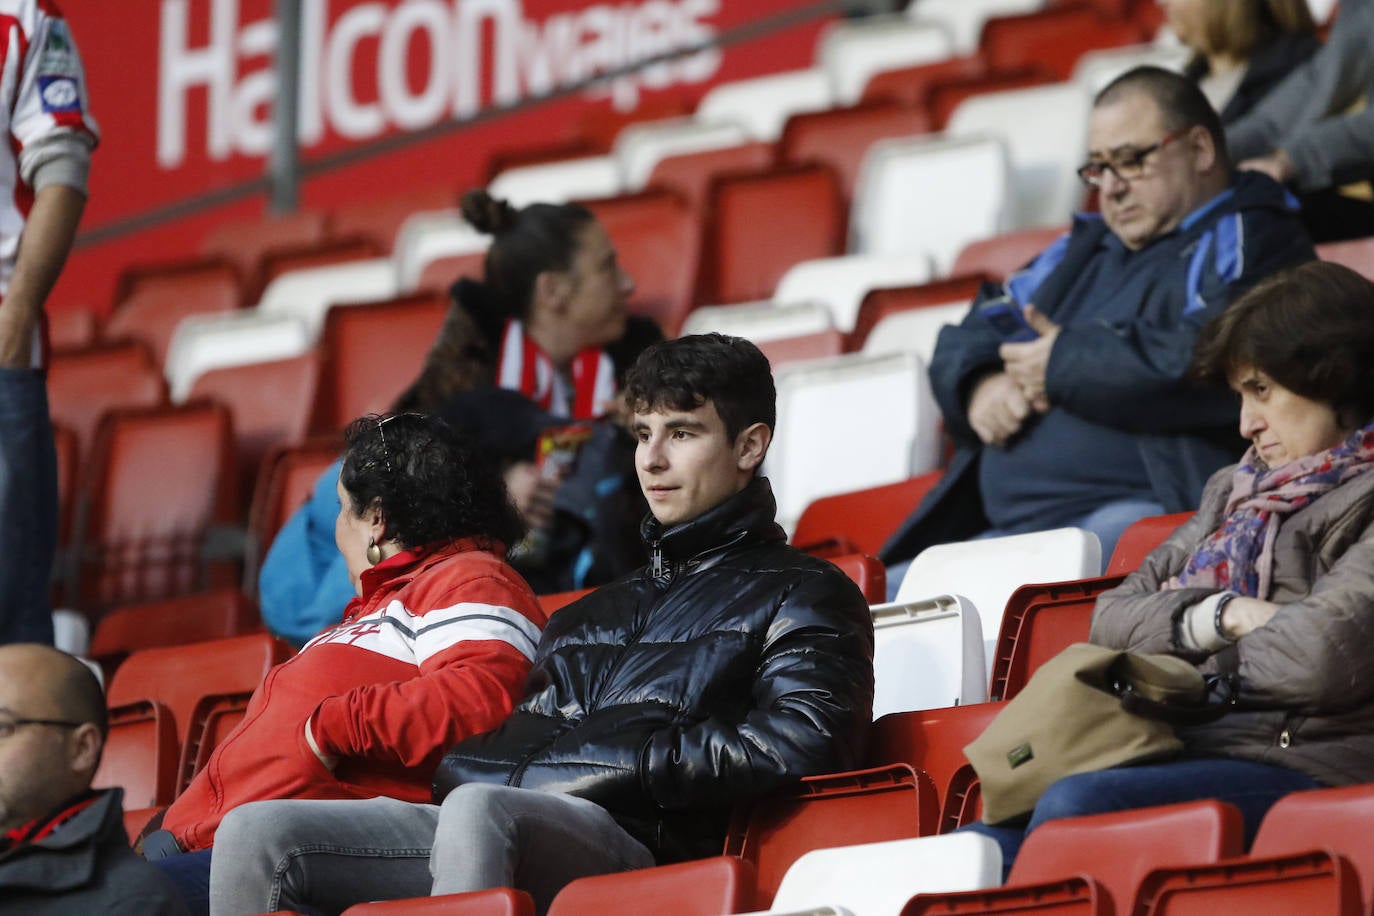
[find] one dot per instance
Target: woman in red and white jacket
(435, 647)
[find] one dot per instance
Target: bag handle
(1222, 689)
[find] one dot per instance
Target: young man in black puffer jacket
(730, 666)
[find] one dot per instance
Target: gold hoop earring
(374, 553)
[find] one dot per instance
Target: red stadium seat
(1308, 882)
(880, 303)
(84, 384)
(656, 234)
(742, 261)
(839, 137)
(860, 521)
(178, 677)
(244, 243)
(441, 273)
(1038, 623)
(910, 86)
(1054, 37)
(278, 261)
(690, 174)
(271, 405)
(866, 806)
(944, 95)
(498, 901)
(140, 754)
(379, 219)
(1140, 538)
(370, 353)
(933, 740)
(1069, 897)
(868, 573)
(158, 480)
(72, 328)
(212, 719)
(703, 887)
(285, 482)
(1003, 255)
(216, 614)
(1334, 819)
(783, 350)
(157, 304)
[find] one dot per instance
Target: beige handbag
(1088, 708)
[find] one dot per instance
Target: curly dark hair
(1310, 328)
(685, 373)
(431, 481)
(525, 243)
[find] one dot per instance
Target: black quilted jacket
(728, 667)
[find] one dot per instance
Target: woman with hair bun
(549, 321)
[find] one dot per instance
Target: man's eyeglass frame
(1127, 169)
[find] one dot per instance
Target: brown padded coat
(1307, 676)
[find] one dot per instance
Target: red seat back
(378, 219)
(157, 304)
(704, 887)
(783, 350)
(1139, 841)
(158, 480)
(1309, 882)
(371, 352)
(868, 573)
(656, 234)
(910, 86)
(689, 175)
(1140, 538)
(497, 901)
(933, 741)
(742, 259)
(140, 754)
(862, 520)
(1054, 37)
(1069, 897)
(945, 95)
(285, 482)
(866, 806)
(840, 137)
(84, 384)
(1039, 622)
(245, 242)
(278, 261)
(216, 614)
(1336, 819)
(1003, 255)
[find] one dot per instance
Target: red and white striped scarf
(525, 368)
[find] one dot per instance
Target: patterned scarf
(527, 369)
(1239, 556)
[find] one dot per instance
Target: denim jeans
(330, 855)
(190, 873)
(28, 504)
(1251, 787)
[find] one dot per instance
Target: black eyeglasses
(1128, 165)
(9, 726)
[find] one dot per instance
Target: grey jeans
(329, 855)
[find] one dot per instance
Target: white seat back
(558, 182)
(930, 196)
(759, 321)
(763, 104)
(852, 51)
(1046, 130)
(964, 18)
(204, 342)
(927, 654)
(877, 879)
(640, 147)
(308, 293)
(840, 284)
(427, 237)
(987, 571)
(913, 331)
(847, 423)
(1095, 69)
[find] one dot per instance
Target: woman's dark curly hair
(1310, 328)
(431, 481)
(526, 243)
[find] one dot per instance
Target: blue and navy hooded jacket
(1128, 374)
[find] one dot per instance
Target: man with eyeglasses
(1065, 387)
(63, 848)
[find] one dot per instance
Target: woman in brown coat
(1278, 561)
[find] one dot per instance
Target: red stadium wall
(182, 90)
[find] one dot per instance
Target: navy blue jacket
(1129, 376)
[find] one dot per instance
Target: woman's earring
(374, 553)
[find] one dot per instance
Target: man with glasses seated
(63, 848)
(1064, 387)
